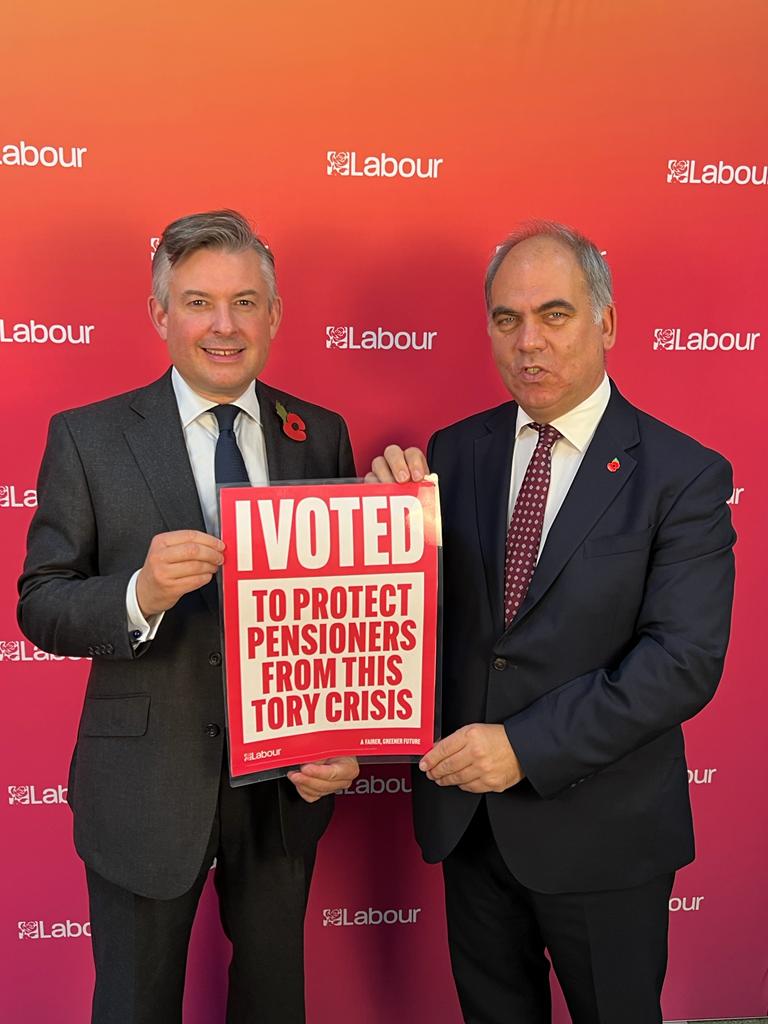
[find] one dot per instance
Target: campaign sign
(330, 605)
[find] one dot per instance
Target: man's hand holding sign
(319, 778)
(176, 563)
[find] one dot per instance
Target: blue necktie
(228, 463)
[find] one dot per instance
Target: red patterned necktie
(524, 533)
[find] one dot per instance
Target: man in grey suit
(121, 566)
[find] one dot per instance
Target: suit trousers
(608, 949)
(140, 945)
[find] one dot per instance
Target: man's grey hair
(217, 229)
(596, 271)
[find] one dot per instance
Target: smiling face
(547, 347)
(219, 323)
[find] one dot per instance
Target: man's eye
(556, 315)
(244, 302)
(197, 302)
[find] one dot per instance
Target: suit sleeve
(346, 458)
(65, 606)
(674, 661)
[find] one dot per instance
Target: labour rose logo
(5, 495)
(338, 163)
(336, 337)
(18, 794)
(665, 337)
(10, 650)
(332, 917)
(29, 929)
(678, 170)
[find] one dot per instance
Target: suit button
(212, 730)
(499, 664)
(214, 658)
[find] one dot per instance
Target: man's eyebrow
(206, 295)
(543, 308)
(555, 304)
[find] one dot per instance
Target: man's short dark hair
(218, 229)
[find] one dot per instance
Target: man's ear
(158, 316)
(275, 315)
(608, 327)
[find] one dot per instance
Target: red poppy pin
(613, 466)
(293, 425)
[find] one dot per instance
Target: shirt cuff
(140, 630)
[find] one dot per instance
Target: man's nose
(223, 322)
(529, 335)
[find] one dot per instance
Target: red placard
(330, 605)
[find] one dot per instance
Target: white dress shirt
(201, 432)
(578, 428)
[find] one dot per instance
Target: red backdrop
(643, 124)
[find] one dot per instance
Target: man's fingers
(398, 466)
(176, 537)
(380, 472)
(305, 791)
(451, 764)
(417, 463)
(443, 748)
(467, 776)
(190, 552)
(320, 778)
(177, 562)
(316, 770)
(334, 769)
(396, 461)
(172, 571)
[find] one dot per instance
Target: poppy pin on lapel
(293, 425)
(613, 466)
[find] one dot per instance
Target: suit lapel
(493, 466)
(592, 491)
(286, 459)
(156, 439)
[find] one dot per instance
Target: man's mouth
(530, 372)
(222, 353)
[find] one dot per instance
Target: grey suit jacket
(146, 767)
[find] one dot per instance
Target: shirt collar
(578, 425)
(191, 405)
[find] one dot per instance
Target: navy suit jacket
(620, 639)
(145, 774)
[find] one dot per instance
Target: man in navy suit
(120, 568)
(588, 587)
